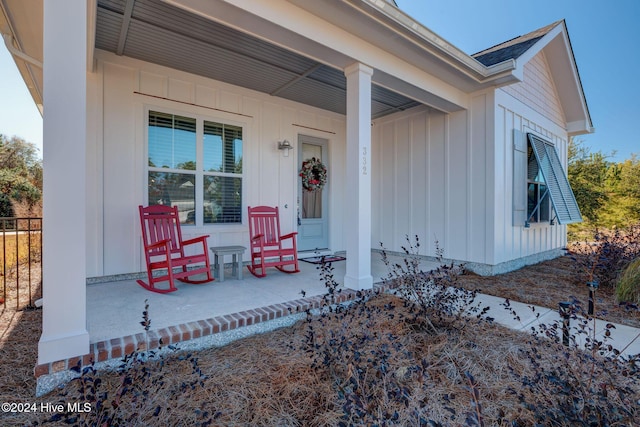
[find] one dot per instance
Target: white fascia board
(570, 88)
(540, 44)
(509, 65)
(425, 35)
(581, 127)
(21, 28)
(29, 24)
(415, 32)
(518, 72)
(579, 109)
(406, 38)
(303, 32)
(417, 94)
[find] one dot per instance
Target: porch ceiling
(157, 32)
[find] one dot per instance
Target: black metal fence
(21, 262)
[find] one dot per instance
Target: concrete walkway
(623, 338)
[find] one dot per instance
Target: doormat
(327, 258)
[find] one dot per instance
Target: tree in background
(20, 174)
(587, 174)
(6, 207)
(608, 193)
(623, 186)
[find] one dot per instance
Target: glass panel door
(313, 222)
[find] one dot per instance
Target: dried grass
(628, 288)
(20, 276)
(267, 380)
(21, 287)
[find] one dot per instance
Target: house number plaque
(364, 160)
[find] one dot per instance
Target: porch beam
(124, 29)
(64, 324)
(358, 204)
(296, 80)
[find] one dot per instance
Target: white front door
(313, 211)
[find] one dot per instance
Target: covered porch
(193, 303)
(276, 68)
(115, 308)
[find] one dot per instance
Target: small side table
(218, 262)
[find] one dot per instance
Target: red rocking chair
(164, 250)
(266, 242)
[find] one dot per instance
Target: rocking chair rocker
(164, 250)
(266, 242)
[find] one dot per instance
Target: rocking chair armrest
(157, 244)
(198, 239)
(289, 236)
(258, 237)
(258, 241)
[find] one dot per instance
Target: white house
(187, 100)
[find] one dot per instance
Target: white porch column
(358, 203)
(64, 326)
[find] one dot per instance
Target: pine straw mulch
(548, 283)
(268, 379)
(20, 329)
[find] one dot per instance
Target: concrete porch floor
(114, 313)
(114, 309)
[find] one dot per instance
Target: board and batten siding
(532, 105)
(450, 178)
(513, 240)
(125, 89)
(429, 180)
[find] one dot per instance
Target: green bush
(6, 207)
(628, 289)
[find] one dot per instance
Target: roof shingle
(512, 49)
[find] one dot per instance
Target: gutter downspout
(8, 42)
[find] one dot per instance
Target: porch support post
(358, 203)
(64, 325)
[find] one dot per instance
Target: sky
(19, 115)
(604, 35)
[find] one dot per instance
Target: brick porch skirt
(117, 348)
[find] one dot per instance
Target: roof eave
(582, 127)
(414, 31)
(23, 38)
(556, 44)
(424, 42)
(26, 53)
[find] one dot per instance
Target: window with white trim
(196, 165)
